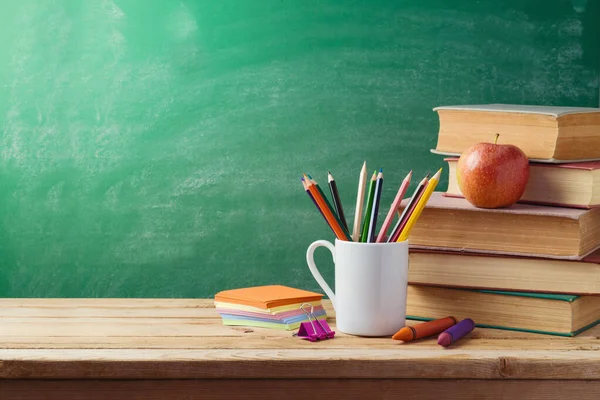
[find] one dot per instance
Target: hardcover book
(507, 273)
(448, 223)
(544, 133)
(564, 315)
(565, 185)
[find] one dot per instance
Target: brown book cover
(547, 134)
(522, 229)
(586, 165)
(563, 315)
(471, 270)
(549, 185)
(438, 201)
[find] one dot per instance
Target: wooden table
(178, 349)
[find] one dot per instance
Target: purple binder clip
(311, 331)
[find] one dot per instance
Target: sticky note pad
(272, 306)
(268, 296)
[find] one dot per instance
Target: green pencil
(367, 217)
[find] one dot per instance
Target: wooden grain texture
(299, 363)
(184, 339)
(347, 389)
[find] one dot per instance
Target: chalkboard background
(153, 148)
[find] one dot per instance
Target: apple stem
(496, 139)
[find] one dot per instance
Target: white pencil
(360, 198)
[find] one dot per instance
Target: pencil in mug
(316, 205)
(360, 198)
(375, 208)
(344, 229)
(368, 208)
(337, 202)
(420, 206)
(314, 194)
(327, 209)
(408, 210)
(394, 208)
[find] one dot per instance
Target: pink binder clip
(311, 331)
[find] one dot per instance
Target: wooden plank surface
(347, 389)
(184, 339)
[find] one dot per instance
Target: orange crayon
(425, 329)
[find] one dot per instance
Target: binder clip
(311, 331)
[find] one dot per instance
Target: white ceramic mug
(370, 285)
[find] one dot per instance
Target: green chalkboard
(154, 148)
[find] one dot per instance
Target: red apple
(492, 175)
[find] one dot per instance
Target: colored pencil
(375, 208)
(420, 206)
(368, 209)
(337, 202)
(360, 198)
(323, 207)
(394, 208)
(344, 230)
(408, 210)
(316, 205)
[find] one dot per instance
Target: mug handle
(313, 268)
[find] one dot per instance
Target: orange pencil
(330, 207)
(339, 233)
(315, 203)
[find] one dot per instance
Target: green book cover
(507, 328)
(550, 296)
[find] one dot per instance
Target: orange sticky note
(267, 296)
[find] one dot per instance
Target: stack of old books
(532, 266)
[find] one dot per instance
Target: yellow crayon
(420, 206)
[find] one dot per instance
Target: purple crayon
(456, 332)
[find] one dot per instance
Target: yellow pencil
(420, 206)
(360, 198)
